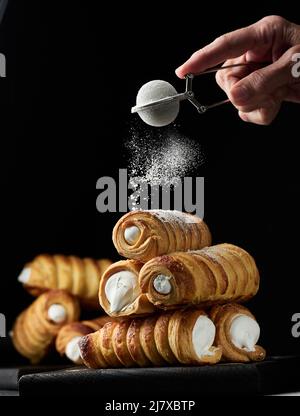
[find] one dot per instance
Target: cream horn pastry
(77, 276)
(142, 235)
(119, 291)
(184, 337)
(35, 328)
(213, 275)
(237, 332)
(68, 336)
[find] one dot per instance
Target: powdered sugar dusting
(161, 157)
(158, 158)
(174, 216)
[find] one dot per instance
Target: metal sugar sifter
(158, 101)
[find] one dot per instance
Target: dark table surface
(273, 376)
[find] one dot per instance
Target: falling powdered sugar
(163, 157)
(159, 161)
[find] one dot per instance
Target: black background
(73, 70)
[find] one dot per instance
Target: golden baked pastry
(185, 336)
(213, 275)
(142, 235)
(36, 327)
(80, 277)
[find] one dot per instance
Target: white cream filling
(203, 336)
(132, 234)
(57, 313)
(121, 290)
(24, 276)
(244, 332)
(162, 284)
(73, 351)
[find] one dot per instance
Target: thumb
(263, 82)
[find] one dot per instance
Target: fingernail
(243, 116)
(240, 94)
(177, 71)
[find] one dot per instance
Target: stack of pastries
(174, 300)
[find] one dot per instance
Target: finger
(266, 101)
(261, 53)
(236, 43)
(226, 78)
(262, 116)
(264, 81)
(230, 45)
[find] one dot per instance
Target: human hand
(256, 93)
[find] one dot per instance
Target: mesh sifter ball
(164, 114)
